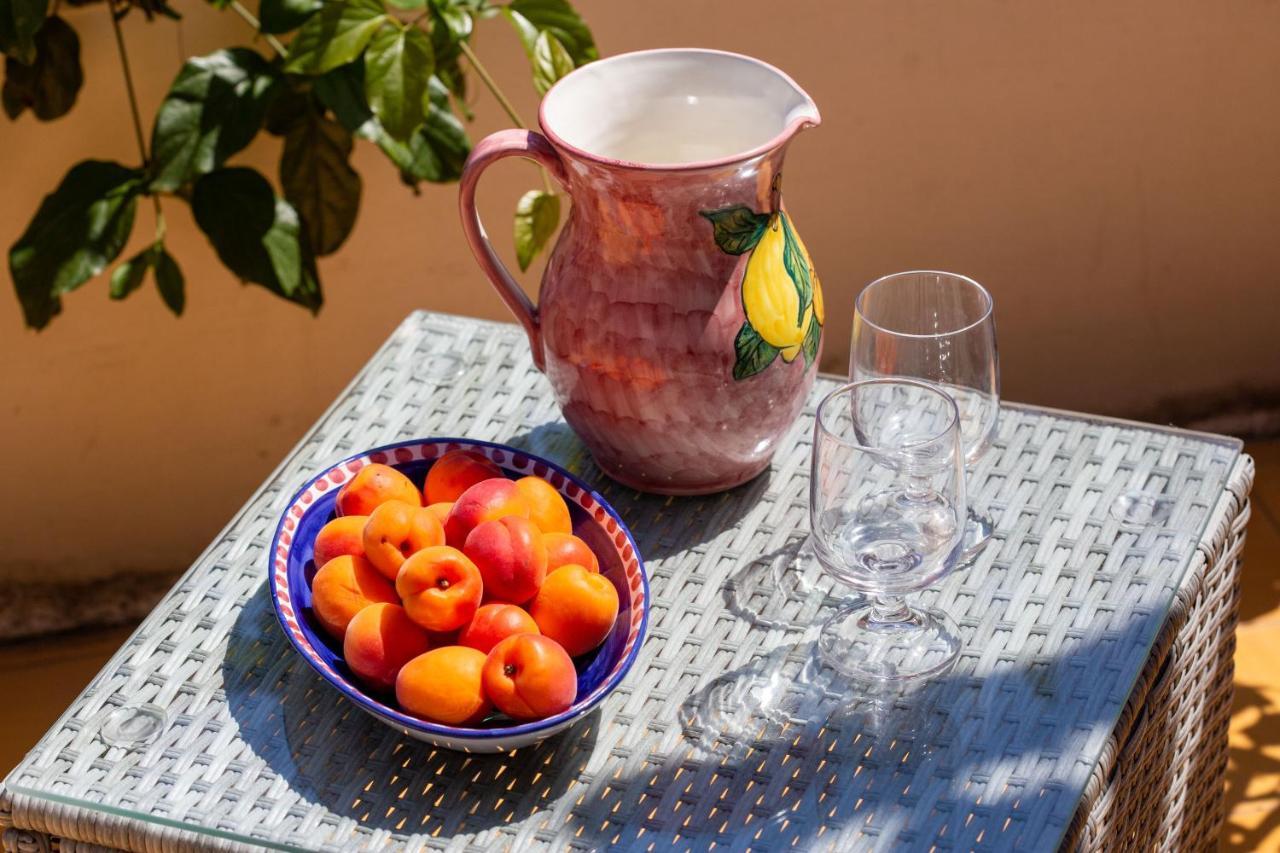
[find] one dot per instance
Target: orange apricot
(547, 508)
(396, 530)
(380, 639)
(510, 556)
(455, 472)
(575, 608)
(565, 548)
(441, 510)
(376, 484)
(529, 677)
(487, 500)
(342, 535)
(343, 587)
(445, 686)
(494, 623)
(440, 587)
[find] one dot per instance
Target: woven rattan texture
(1058, 615)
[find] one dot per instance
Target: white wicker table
(1088, 710)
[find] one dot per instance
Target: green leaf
(287, 109)
(20, 20)
(753, 352)
(737, 229)
(79, 228)
(550, 62)
(284, 16)
(334, 36)
(537, 215)
(445, 44)
(557, 17)
(214, 109)
(48, 86)
(811, 340)
(409, 5)
(455, 18)
(256, 235)
(797, 267)
(319, 182)
(396, 67)
(127, 277)
(170, 283)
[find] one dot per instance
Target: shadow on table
(335, 755)
(662, 525)
(1252, 832)
(945, 764)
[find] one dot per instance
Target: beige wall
(1110, 170)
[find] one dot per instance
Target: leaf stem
(507, 106)
(128, 84)
(490, 84)
(251, 20)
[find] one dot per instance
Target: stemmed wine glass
(936, 327)
(887, 512)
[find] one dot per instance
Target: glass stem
(889, 609)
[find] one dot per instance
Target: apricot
(396, 530)
(547, 508)
(441, 510)
(455, 472)
(343, 587)
(529, 677)
(575, 608)
(510, 556)
(380, 639)
(440, 587)
(494, 623)
(445, 686)
(488, 500)
(376, 484)
(565, 548)
(342, 535)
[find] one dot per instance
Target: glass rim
(952, 424)
(989, 304)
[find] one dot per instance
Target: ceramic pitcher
(680, 319)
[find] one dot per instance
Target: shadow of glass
(334, 754)
(785, 588)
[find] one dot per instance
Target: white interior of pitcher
(674, 107)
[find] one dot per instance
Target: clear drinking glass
(937, 327)
(887, 511)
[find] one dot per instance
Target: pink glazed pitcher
(680, 318)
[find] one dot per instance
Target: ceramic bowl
(599, 672)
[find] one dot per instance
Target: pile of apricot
(468, 595)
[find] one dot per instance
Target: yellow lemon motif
(769, 295)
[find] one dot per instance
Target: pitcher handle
(505, 143)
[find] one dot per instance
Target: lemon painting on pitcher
(781, 294)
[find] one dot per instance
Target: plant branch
(507, 106)
(252, 21)
(128, 84)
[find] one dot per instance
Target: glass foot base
(977, 533)
(922, 644)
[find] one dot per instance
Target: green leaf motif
(537, 215)
(48, 87)
(550, 62)
(214, 109)
(531, 17)
(753, 352)
(285, 16)
(20, 20)
(796, 265)
(319, 182)
(335, 35)
(170, 283)
(79, 228)
(737, 229)
(812, 338)
(396, 67)
(128, 276)
(256, 235)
